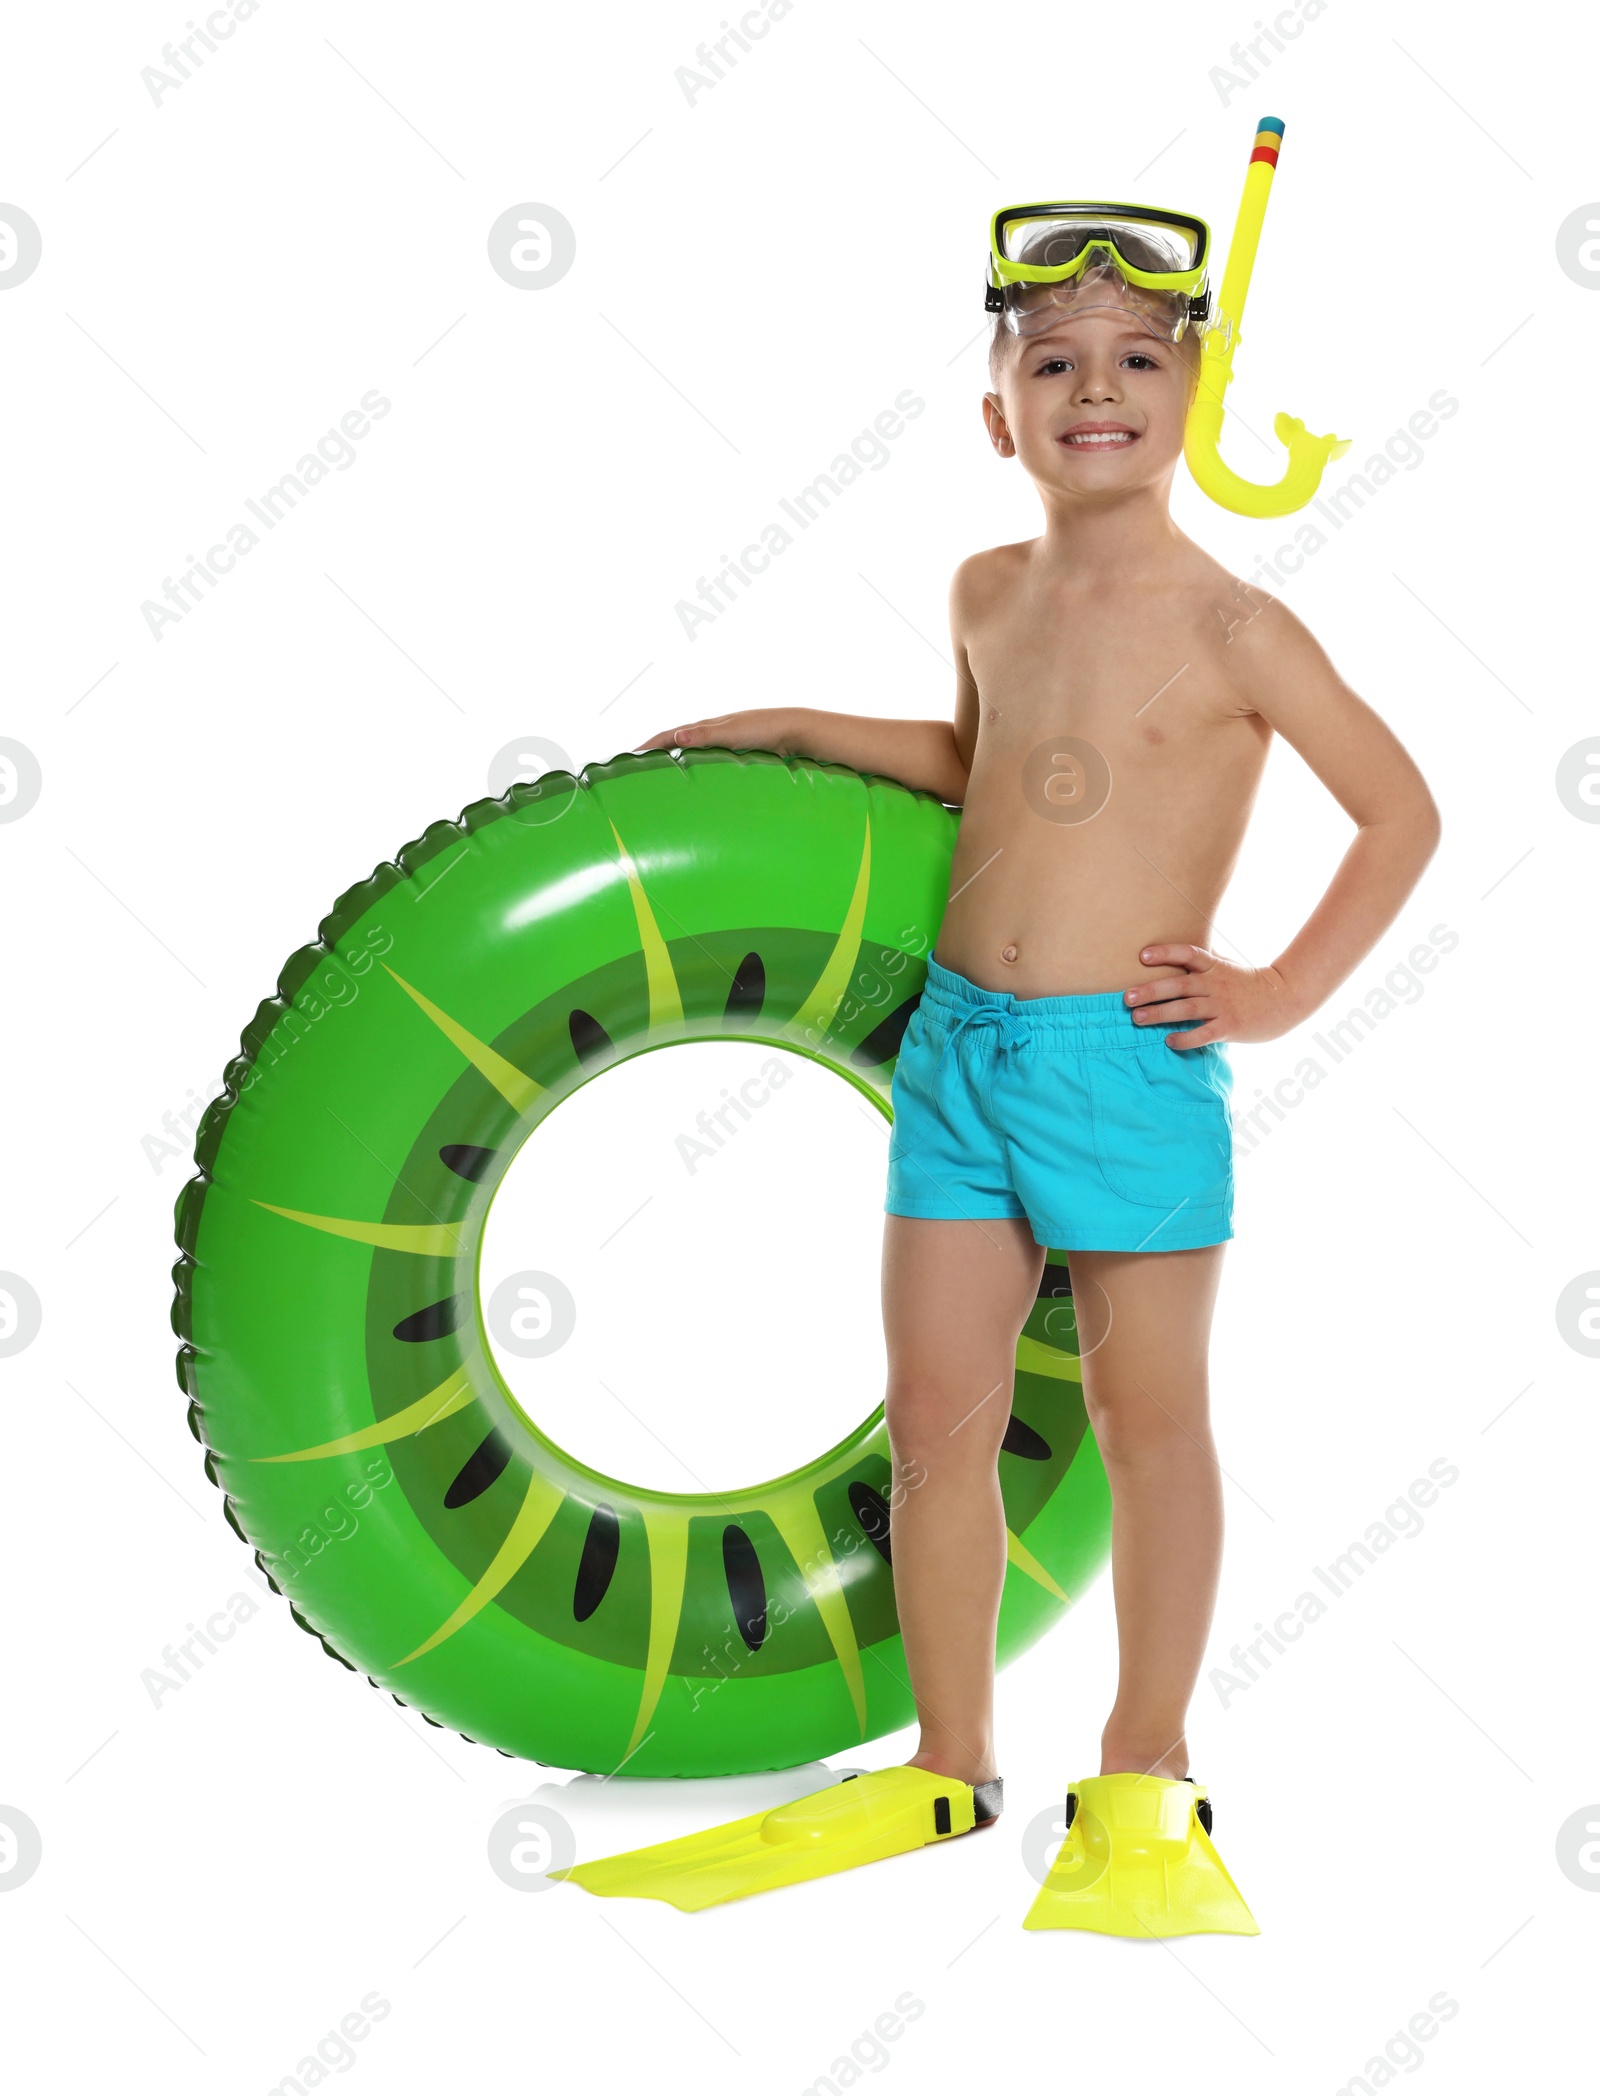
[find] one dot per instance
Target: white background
(224, 275)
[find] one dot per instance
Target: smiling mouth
(1100, 439)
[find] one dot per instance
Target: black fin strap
(987, 1800)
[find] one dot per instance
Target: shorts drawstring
(1012, 1024)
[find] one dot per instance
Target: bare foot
(958, 1768)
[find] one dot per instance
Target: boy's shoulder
(983, 574)
(986, 584)
(1267, 651)
(1259, 630)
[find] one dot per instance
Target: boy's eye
(1136, 357)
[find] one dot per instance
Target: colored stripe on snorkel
(1269, 137)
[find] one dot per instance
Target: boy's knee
(937, 1427)
(1131, 1427)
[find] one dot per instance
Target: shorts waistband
(1097, 1019)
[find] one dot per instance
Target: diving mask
(1048, 261)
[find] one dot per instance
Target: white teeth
(1103, 437)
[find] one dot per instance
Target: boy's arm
(931, 756)
(1280, 672)
(1285, 677)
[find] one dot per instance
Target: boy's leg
(955, 1298)
(1144, 1326)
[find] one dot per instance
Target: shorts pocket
(1162, 1137)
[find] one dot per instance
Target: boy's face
(1095, 405)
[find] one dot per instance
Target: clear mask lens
(1047, 240)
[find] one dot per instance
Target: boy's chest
(1138, 679)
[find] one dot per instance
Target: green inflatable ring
(367, 1447)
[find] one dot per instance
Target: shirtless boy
(1064, 1081)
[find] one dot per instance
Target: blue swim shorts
(1063, 1111)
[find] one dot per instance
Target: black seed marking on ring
(871, 1509)
(598, 1562)
(1021, 1440)
(438, 1321)
(882, 1045)
(480, 1470)
(589, 1038)
(1054, 1281)
(749, 991)
(466, 1160)
(747, 1590)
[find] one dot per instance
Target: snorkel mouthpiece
(1308, 454)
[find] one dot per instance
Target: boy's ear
(994, 418)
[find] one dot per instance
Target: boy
(1064, 1080)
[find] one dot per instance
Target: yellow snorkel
(1202, 434)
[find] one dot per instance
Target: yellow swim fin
(859, 1820)
(1138, 1861)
